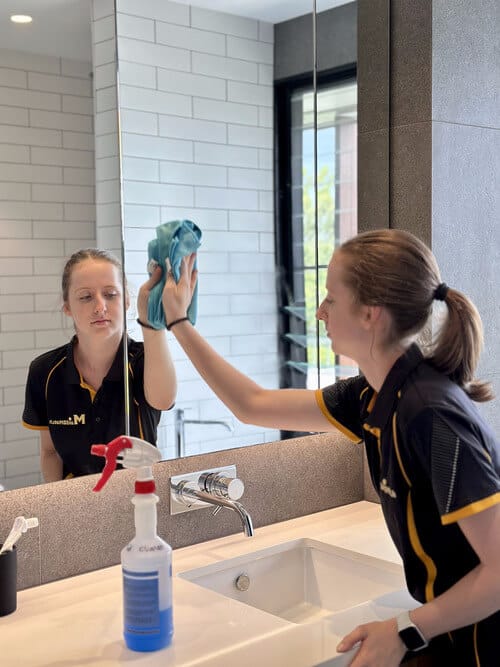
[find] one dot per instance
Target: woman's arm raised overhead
(287, 409)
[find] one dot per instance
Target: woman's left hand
(380, 645)
(143, 296)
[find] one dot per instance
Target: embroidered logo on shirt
(71, 421)
(387, 489)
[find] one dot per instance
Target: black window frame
(283, 92)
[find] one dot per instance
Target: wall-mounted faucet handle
(219, 485)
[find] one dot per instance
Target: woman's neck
(378, 362)
(95, 358)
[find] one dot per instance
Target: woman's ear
(371, 316)
(66, 309)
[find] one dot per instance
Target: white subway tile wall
(47, 210)
(196, 100)
(107, 169)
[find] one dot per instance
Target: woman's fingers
(357, 635)
(153, 278)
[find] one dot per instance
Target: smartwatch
(410, 635)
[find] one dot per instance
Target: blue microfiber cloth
(174, 240)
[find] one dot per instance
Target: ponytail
(394, 269)
(458, 346)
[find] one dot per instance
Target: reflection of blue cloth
(174, 240)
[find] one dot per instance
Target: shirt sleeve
(35, 405)
(461, 466)
(340, 403)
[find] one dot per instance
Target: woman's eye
(111, 295)
(85, 297)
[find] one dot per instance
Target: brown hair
(394, 269)
(81, 256)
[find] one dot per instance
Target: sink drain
(242, 582)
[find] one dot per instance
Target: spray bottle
(147, 559)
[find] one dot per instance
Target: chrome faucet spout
(246, 520)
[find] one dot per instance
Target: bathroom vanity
(78, 620)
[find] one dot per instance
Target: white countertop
(78, 621)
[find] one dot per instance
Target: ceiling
(62, 27)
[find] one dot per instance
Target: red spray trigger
(110, 452)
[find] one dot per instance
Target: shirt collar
(115, 373)
(386, 399)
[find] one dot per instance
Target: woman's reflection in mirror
(433, 459)
(75, 393)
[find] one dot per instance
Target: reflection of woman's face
(95, 299)
(340, 314)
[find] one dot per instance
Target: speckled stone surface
(373, 180)
(373, 65)
(82, 531)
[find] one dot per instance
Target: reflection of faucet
(180, 436)
(193, 491)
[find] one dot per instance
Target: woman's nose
(319, 312)
(100, 304)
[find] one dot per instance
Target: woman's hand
(380, 645)
(177, 296)
(143, 296)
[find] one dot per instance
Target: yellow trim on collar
(90, 389)
(322, 406)
(374, 430)
(469, 510)
(372, 402)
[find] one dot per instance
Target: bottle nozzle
(129, 451)
(110, 452)
(21, 525)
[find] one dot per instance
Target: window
(305, 242)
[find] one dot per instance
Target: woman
(433, 459)
(75, 393)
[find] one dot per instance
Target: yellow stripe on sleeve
(343, 429)
(469, 510)
(32, 427)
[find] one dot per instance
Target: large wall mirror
(220, 124)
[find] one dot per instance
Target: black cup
(8, 582)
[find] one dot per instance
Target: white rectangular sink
(300, 581)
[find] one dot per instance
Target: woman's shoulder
(49, 359)
(429, 392)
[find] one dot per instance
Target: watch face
(412, 638)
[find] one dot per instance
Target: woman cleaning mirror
(50, 132)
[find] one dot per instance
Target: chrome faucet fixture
(219, 487)
(180, 435)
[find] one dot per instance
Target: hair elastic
(441, 291)
(181, 319)
(146, 325)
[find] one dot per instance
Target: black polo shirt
(433, 460)
(58, 399)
